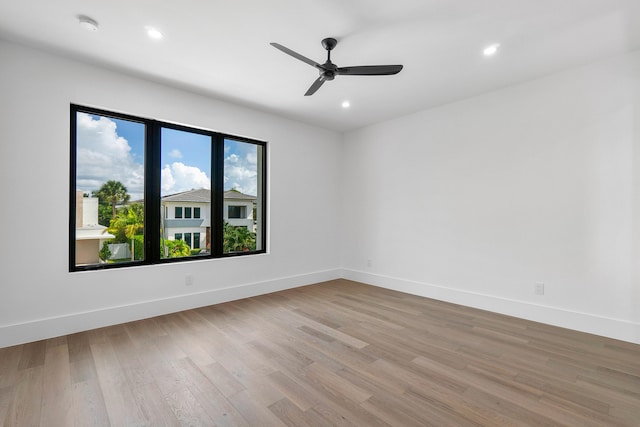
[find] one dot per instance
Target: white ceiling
(221, 48)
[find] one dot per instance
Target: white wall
(476, 201)
(472, 202)
(40, 298)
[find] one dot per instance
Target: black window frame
(177, 212)
(196, 212)
(152, 193)
(187, 212)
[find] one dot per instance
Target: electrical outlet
(369, 263)
(538, 288)
(188, 280)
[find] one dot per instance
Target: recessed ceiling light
(346, 104)
(491, 50)
(154, 33)
(87, 23)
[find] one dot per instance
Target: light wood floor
(336, 353)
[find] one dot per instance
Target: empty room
(320, 213)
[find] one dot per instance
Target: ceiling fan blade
(297, 55)
(315, 86)
(369, 70)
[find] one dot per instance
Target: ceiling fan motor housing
(329, 43)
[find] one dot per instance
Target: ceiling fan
(329, 70)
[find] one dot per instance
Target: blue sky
(111, 148)
(133, 132)
(190, 148)
(185, 161)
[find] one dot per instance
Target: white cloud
(175, 153)
(178, 177)
(241, 173)
(252, 158)
(103, 155)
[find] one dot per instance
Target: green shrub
(177, 248)
(238, 239)
(104, 253)
(138, 247)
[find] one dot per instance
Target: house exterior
(89, 234)
(185, 215)
(238, 209)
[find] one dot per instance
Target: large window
(145, 192)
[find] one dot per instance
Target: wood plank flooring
(333, 354)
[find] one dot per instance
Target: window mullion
(217, 195)
(152, 192)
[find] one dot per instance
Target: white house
(185, 215)
(238, 209)
(89, 234)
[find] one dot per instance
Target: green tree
(177, 248)
(238, 239)
(112, 193)
(104, 253)
(104, 214)
(128, 222)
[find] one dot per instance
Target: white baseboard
(584, 322)
(77, 322)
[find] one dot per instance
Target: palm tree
(177, 249)
(130, 221)
(238, 239)
(113, 193)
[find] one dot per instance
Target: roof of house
(235, 194)
(204, 195)
(199, 195)
(93, 232)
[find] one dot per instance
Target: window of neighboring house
(237, 212)
(124, 171)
